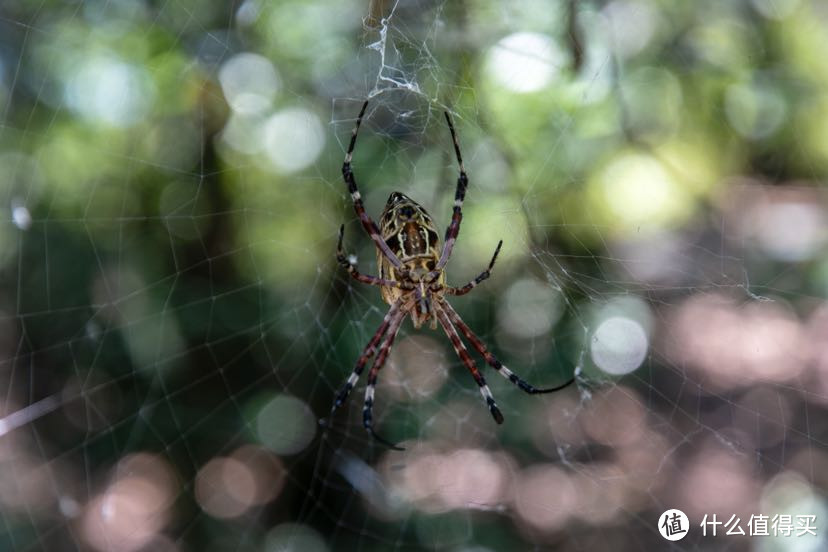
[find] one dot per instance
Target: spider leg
(367, 353)
(367, 410)
(480, 277)
(459, 195)
(491, 360)
(343, 261)
(367, 223)
(464, 355)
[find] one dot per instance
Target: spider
(412, 280)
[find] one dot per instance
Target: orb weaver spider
(412, 280)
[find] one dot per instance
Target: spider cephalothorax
(412, 280)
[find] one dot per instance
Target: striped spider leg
(412, 279)
(388, 329)
(367, 223)
(491, 360)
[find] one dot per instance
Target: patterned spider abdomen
(409, 232)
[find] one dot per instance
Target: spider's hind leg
(367, 353)
(368, 408)
(468, 362)
(492, 360)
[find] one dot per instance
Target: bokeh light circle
(225, 488)
(293, 139)
(294, 536)
(524, 62)
(286, 425)
(108, 90)
(249, 82)
(529, 308)
(619, 345)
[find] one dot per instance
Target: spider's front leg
(367, 223)
(453, 229)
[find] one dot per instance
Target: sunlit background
(174, 326)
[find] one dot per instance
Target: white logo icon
(673, 525)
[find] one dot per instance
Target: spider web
(175, 326)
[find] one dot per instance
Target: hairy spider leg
(385, 348)
(464, 355)
(367, 223)
(369, 350)
(492, 360)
